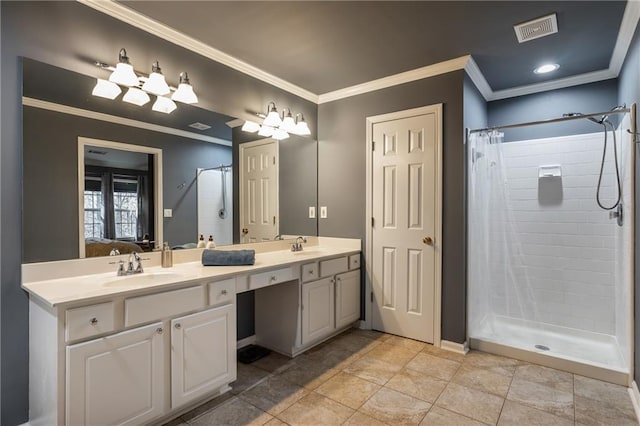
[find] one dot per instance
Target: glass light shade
(136, 96)
(266, 131)
(250, 126)
(156, 85)
(288, 124)
(185, 94)
(106, 89)
(279, 134)
(543, 69)
(163, 104)
(302, 129)
(272, 119)
(124, 75)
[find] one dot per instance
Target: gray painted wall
(71, 35)
(50, 174)
(629, 93)
(476, 114)
(586, 98)
(342, 163)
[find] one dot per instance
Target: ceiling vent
(199, 126)
(536, 28)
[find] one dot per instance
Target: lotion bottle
(201, 243)
(211, 244)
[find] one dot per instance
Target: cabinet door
(117, 379)
(317, 309)
(203, 353)
(347, 298)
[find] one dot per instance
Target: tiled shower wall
(563, 244)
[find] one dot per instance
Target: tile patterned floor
(368, 378)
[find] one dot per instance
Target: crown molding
(625, 35)
(396, 79)
(166, 32)
(628, 26)
(85, 113)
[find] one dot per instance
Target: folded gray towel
(228, 257)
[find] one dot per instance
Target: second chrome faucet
(133, 256)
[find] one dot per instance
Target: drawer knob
(310, 271)
(93, 321)
(159, 330)
(178, 326)
(224, 292)
(273, 278)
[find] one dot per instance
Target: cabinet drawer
(141, 309)
(89, 321)
(354, 261)
(310, 272)
(222, 292)
(270, 277)
(333, 266)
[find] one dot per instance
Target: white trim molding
(79, 112)
(459, 348)
(628, 26)
(158, 29)
(635, 399)
(246, 341)
(396, 79)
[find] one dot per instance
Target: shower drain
(542, 347)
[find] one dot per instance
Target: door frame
(241, 171)
(437, 303)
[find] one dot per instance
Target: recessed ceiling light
(543, 69)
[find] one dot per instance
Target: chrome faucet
(297, 246)
(133, 256)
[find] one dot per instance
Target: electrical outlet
(168, 213)
(323, 212)
(312, 212)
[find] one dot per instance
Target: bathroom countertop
(86, 288)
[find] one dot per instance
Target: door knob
(428, 241)
(245, 231)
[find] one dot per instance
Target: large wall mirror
(100, 172)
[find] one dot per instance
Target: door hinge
(274, 220)
(274, 160)
(373, 145)
(371, 297)
(372, 221)
(301, 307)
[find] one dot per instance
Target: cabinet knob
(223, 292)
(273, 278)
(333, 280)
(178, 326)
(310, 271)
(93, 321)
(159, 330)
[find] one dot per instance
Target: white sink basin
(144, 279)
(310, 252)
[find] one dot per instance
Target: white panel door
(259, 192)
(203, 353)
(403, 258)
(317, 309)
(347, 298)
(117, 379)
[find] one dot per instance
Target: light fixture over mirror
(140, 86)
(277, 127)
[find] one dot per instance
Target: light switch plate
(323, 212)
(168, 213)
(312, 212)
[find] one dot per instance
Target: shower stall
(550, 245)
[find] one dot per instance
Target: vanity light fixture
(136, 96)
(156, 84)
(279, 134)
(123, 73)
(266, 131)
(302, 128)
(163, 104)
(250, 126)
(273, 118)
(106, 89)
(185, 92)
(288, 123)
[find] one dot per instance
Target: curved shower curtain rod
(551, 120)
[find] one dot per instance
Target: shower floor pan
(589, 354)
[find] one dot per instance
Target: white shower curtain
(498, 283)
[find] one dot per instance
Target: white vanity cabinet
(117, 379)
(347, 298)
(132, 359)
(317, 309)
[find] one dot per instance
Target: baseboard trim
(246, 341)
(634, 394)
(460, 348)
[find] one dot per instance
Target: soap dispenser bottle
(167, 256)
(211, 244)
(201, 243)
